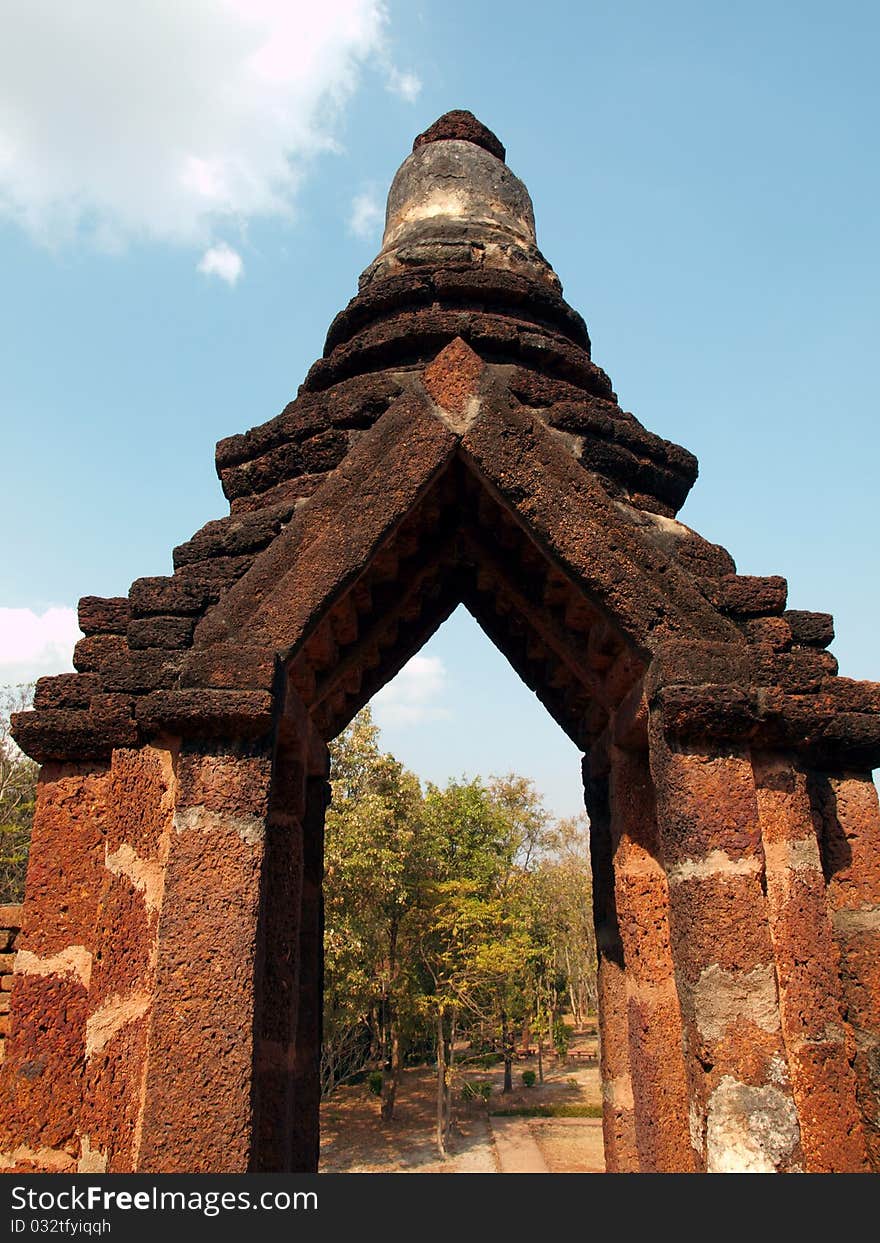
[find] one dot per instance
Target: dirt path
(355, 1140)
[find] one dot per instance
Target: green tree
(18, 791)
(377, 866)
(453, 917)
(476, 945)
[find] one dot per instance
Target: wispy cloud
(172, 122)
(33, 644)
(367, 214)
(222, 261)
(412, 697)
(407, 85)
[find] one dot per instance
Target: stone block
(165, 632)
(66, 690)
(810, 629)
(90, 653)
(748, 595)
(163, 595)
(103, 615)
(208, 712)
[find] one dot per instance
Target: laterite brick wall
(10, 922)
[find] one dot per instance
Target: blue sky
(188, 193)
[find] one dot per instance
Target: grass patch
(549, 1111)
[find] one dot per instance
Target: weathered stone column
(618, 1118)
(289, 998)
(306, 1087)
(846, 810)
(123, 981)
(811, 1008)
(277, 968)
(198, 1112)
(741, 1108)
(42, 1075)
(656, 1060)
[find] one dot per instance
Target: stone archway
(455, 444)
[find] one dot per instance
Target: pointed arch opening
(460, 544)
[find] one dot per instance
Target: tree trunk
(572, 990)
(507, 1050)
(447, 1116)
(441, 1086)
(391, 1074)
(391, 1066)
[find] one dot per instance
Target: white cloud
(162, 120)
(33, 644)
(406, 85)
(367, 214)
(410, 698)
(222, 261)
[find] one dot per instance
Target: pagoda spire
(454, 200)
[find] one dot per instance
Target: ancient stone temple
(455, 444)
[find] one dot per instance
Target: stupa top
(454, 201)
(461, 125)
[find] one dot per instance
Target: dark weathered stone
(618, 463)
(290, 493)
(357, 402)
(103, 615)
(232, 536)
(168, 632)
(206, 713)
(851, 696)
(316, 455)
(150, 596)
(462, 288)
(533, 388)
(215, 575)
(418, 336)
(695, 662)
(59, 734)
(464, 127)
(230, 666)
(91, 653)
(66, 690)
(810, 629)
(797, 673)
(708, 712)
(774, 632)
(691, 551)
(135, 672)
(747, 595)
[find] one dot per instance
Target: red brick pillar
(289, 999)
(198, 1112)
(42, 1076)
(306, 1087)
(141, 796)
(811, 1007)
(846, 809)
(656, 1059)
(618, 1116)
(10, 926)
(742, 1113)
